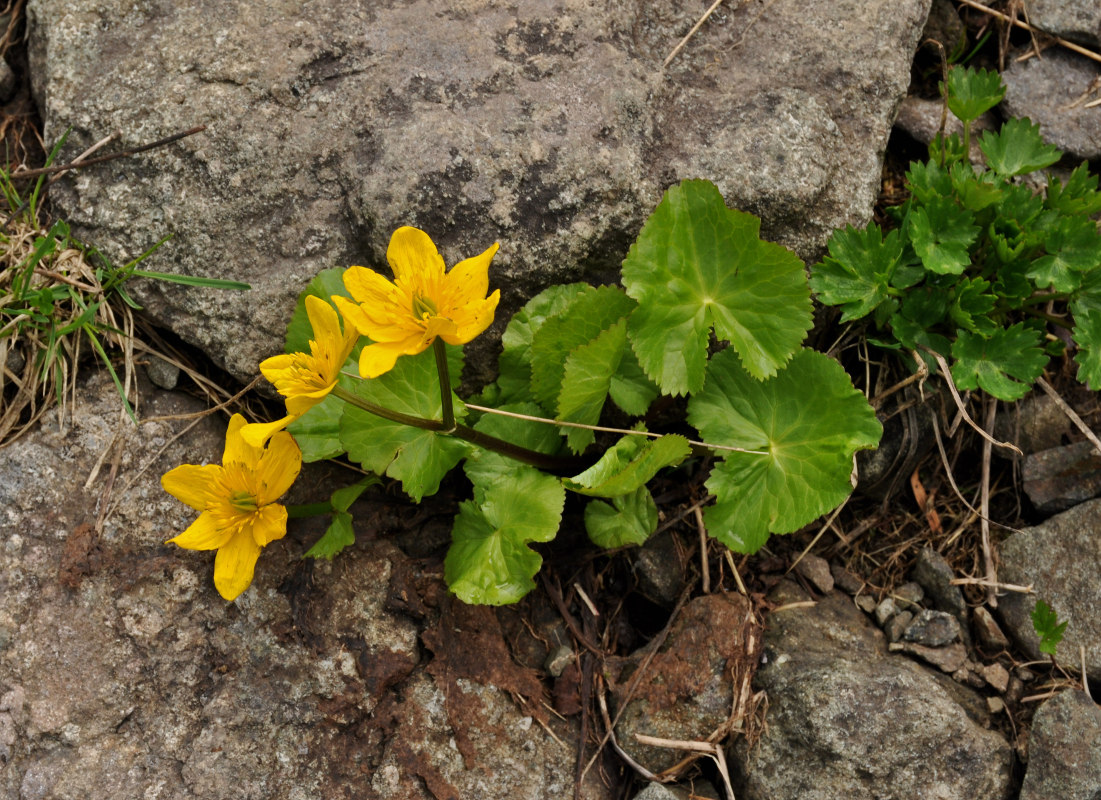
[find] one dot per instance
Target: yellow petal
(274, 368)
(469, 279)
(235, 564)
(388, 322)
(473, 319)
(277, 468)
(238, 451)
(378, 359)
(371, 289)
(352, 313)
(299, 404)
(414, 258)
(256, 433)
(199, 487)
(269, 524)
(205, 533)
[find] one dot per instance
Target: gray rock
(7, 79)
(1060, 559)
(846, 580)
(894, 629)
(945, 27)
(1061, 477)
(1049, 91)
(935, 576)
(909, 595)
(1077, 20)
(661, 791)
(1033, 424)
(162, 373)
(948, 659)
(127, 676)
(659, 566)
(932, 629)
(866, 603)
(921, 120)
(685, 692)
(1064, 751)
(816, 570)
(997, 676)
(886, 609)
(550, 127)
(848, 719)
(990, 634)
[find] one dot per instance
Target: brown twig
(34, 173)
(1032, 29)
(984, 520)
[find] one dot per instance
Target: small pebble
(1015, 691)
(948, 659)
(908, 595)
(935, 576)
(967, 674)
(845, 580)
(161, 373)
(933, 629)
(897, 625)
(816, 570)
(990, 634)
(865, 603)
(997, 676)
(995, 705)
(886, 609)
(557, 661)
(1024, 674)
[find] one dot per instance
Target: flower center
(244, 502)
(423, 307)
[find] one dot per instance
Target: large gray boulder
(848, 719)
(124, 675)
(1064, 749)
(548, 126)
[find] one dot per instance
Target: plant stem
(568, 465)
(447, 411)
(1062, 323)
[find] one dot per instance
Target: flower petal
(235, 564)
(199, 487)
(378, 359)
(414, 258)
(469, 279)
(473, 319)
(205, 533)
(277, 468)
(238, 451)
(256, 433)
(269, 524)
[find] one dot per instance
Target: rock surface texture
(124, 675)
(1064, 752)
(548, 126)
(1061, 559)
(847, 719)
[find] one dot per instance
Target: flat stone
(990, 633)
(1061, 477)
(162, 373)
(932, 629)
(1077, 20)
(884, 610)
(997, 676)
(949, 658)
(935, 576)
(846, 580)
(1060, 559)
(816, 570)
(895, 628)
(909, 595)
(1064, 750)
(659, 566)
(866, 603)
(995, 705)
(1033, 424)
(1049, 91)
(848, 719)
(548, 126)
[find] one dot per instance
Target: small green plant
(58, 296)
(1047, 627)
(707, 310)
(979, 267)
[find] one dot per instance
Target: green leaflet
(582, 321)
(1087, 335)
(418, 458)
(808, 418)
(627, 520)
(991, 363)
(1047, 626)
(856, 275)
(1018, 148)
(299, 331)
(628, 465)
(317, 432)
(696, 265)
(339, 534)
(1074, 247)
(941, 233)
(489, 561)
(971, 93)
(586, 381)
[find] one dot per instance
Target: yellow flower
(239, 514)
(305, 379)
(403, 318)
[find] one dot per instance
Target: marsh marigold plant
(404, 317)
(238, 514)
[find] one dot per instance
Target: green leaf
(1078, 196)
(856, 274)
(1047, 626)
(586, 381)
(317, 432)
(342, 499)
(696, 265)
(630, 389)
(808, 419)
(337, 536)
(583, 321)
(1018, 148)
(1087, 335)
(489, 561)
(971, 93)
(971, 305)
(928, 180)
(975, 191)
(941, 233)
(418, 458)
(514, 365)
(192, 280)
(628, 465)
(947, 150)
(1073, 247)
(534, 435)
(991, 363)
(628, 520)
